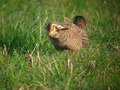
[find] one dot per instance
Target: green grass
(22, 33)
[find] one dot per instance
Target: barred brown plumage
(68, 35)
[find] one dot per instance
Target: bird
(68, 36)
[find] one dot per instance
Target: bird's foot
(70, 66)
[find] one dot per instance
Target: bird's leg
(70, 64)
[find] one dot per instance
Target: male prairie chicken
(68, 35)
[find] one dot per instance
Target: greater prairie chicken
(68, 35)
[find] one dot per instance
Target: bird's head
(53, 29)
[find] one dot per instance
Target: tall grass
(29, 61)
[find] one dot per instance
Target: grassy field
(28, 61)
